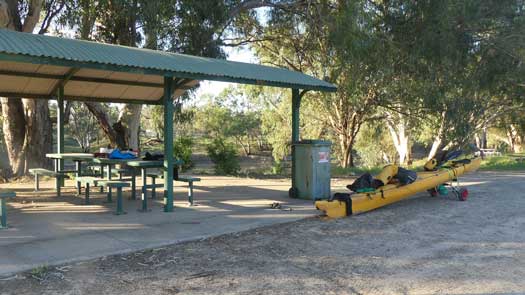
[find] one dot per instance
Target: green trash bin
(312, 170)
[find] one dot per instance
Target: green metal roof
(55, 51)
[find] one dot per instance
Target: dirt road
(419, 246)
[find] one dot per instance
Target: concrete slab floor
(48, 230)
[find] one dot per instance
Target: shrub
(182, 150)
(224, 156)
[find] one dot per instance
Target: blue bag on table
(117, 154)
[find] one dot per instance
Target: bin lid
(317, 142)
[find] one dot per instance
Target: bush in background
(224, 156)
(182, 150)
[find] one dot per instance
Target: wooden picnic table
(78, 158)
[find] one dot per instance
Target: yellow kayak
(391, 193)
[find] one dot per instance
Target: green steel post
(296, 104)
(60, 132)
(86, 202)
(119, 201)
(168, 144)
(133, 184)
(109, 198)
(153, 191)
(3, 213)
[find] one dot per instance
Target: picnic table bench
(110, 184)
(89, 181)
(4, 195)
(187, 179)
(37, 172)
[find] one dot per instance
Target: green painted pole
(60, 132)
(296, 104)
(3, 213)
(168, 145)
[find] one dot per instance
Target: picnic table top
(7, 194)
(112, 161)
(145, 164)
(71, 156)
(151, 163)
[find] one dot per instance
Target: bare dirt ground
(422, 245)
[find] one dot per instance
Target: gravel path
(419, 246)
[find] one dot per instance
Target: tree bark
(14, 128)
(39, 137)
(128, 126)
(398, 132)
(104, 121)
(438, 140)
(514, 140)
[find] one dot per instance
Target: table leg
(190, 193)
(108, 176)
(153, 189)
(78, 167)
(102, 176)
(86, 202)
(58, 181)
(120, 211)
(133, 184)
(144, 191)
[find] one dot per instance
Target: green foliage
(339, 171)
(373, 146)
(503, 163)
(238, 124)
(182, 150)
(224, 156)
(82, 126)
(153, 120)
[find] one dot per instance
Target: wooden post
(168, 144)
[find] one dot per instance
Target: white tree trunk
(398, 132)
(438, 140)
(129, 118)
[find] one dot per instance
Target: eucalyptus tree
(327, 39)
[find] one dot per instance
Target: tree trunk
(245, 148)
(478, 140)
(484, 138)
(14, 128)
(104, 121)
(128, 126)
(346, 144)
(514, 140)
(438, 140)
(399, 135)
(39, 137)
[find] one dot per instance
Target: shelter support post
(168, 144)
(296, 104)
(59, 165)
